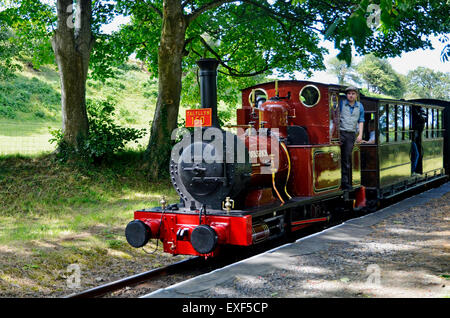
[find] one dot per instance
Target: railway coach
(409, 147)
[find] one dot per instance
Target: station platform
(399, 251)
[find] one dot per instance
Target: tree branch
(208, 6)
(278, 15)
(231, 71)
(186, 42)
(154, 8)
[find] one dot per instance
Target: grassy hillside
(30, 104)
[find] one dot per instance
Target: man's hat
(351, 88)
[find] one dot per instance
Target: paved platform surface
(353, 259)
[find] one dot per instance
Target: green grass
(25, 137)
(48, 188)
(43, 199)
(53, 215)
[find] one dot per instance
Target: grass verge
(54, 215)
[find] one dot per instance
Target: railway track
(138, 278)
(173, 273)
(183, 270)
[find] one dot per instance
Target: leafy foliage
(105, 136)
(380, 76)
(7, 53)
(426, 83)
(385, 28)
(342, 71)
(31, 23)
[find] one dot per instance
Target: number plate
(199, 117)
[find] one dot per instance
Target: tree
(69, 31)
(248, 38)
(72, 44)
(342, 71)
(252, 37)
(426, 83)
(380, 77)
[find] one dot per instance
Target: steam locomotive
(281, 170)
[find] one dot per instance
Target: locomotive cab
(310, 131)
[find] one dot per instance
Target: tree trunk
(72, 45)
(170, 56)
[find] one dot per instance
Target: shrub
(7, 111)
(39, 114)
(105, 137)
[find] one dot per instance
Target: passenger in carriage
(371, 127)
(351, 118)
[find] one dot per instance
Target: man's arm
(360, 123)
(361, 127)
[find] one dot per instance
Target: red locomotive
(279, 173)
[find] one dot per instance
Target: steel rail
(135, 279)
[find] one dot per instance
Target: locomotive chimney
(208, 87)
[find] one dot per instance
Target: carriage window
(309, 95)
(400, 122)
(392, 121)
(369, 127)
(382, 124)
(407, 122)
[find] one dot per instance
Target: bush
(104, 137)
(39, 114)
(7, 111)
